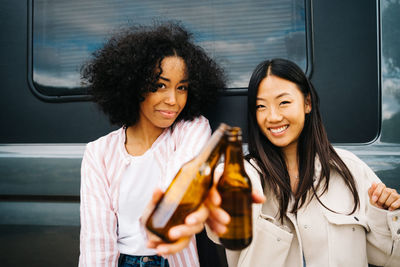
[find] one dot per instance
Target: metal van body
(42, 140)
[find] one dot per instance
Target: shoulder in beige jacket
(370, 235)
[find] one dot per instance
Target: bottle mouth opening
(234, 133)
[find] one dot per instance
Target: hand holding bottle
(180, 234)
(209, 212)
(218, 219)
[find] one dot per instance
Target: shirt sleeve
(383, 239)
(98, 236)
(191, 136)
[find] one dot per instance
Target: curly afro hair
(129, 65)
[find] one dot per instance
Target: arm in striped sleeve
(98, 236)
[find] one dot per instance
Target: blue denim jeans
(142, 261)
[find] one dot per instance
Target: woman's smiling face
(280, 111)
(161, 108)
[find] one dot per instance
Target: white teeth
(279, 130)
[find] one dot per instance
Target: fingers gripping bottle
(188, 189)
(234, 187)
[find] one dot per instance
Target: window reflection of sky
(239, 34)
(390, 72)
(390, 105)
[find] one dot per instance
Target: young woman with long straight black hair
(323, 206)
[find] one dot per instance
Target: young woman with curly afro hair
(154, 83)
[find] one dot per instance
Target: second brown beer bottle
(234, 187)
(188, 189)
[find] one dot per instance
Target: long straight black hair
(313, 142)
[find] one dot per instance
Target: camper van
(349, 49)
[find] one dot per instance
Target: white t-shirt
(138, 182)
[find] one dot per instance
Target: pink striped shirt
(103, 164)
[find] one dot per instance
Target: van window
(390, 62)
(239, 34)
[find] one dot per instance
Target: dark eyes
(160, 86)
(183, 88)
(163, 86)
(156, 87)
(260, 106)
(282, 103)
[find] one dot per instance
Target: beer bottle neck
(211, 151)
(234, 153)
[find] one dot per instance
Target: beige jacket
(370, 235)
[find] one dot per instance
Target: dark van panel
(340, 36)
(42, 142)
(346, 69)
(24, 117)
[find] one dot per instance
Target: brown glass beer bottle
(188, 189)
(234, 187)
